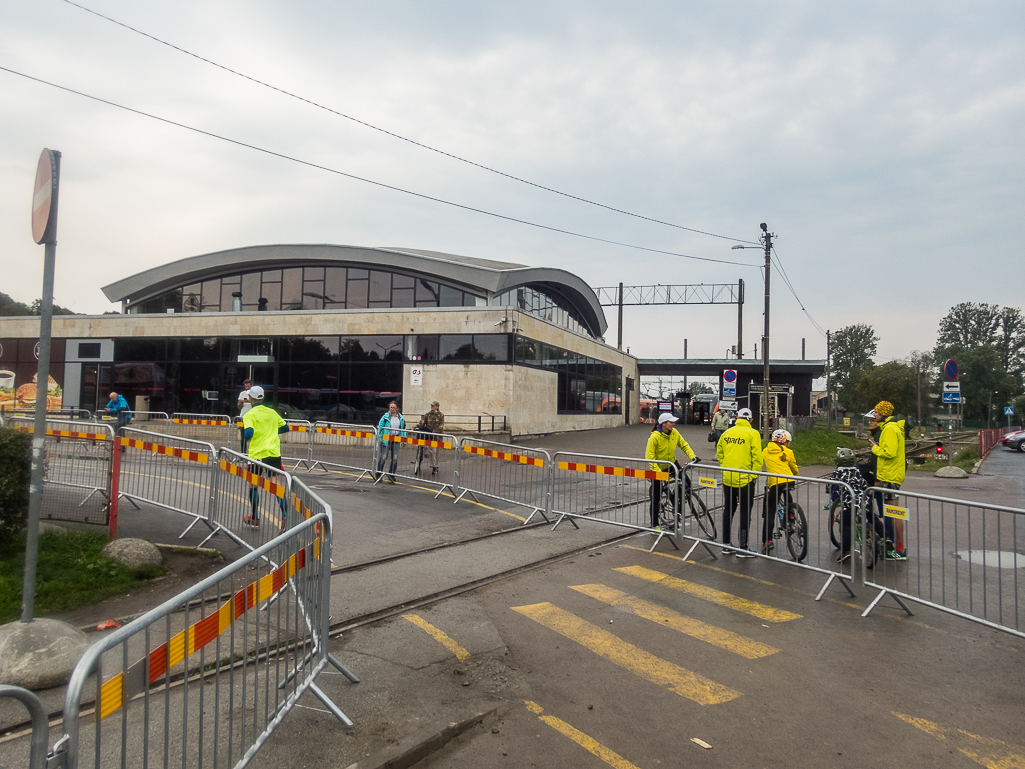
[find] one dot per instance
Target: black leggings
(772, 496)
(744, 495)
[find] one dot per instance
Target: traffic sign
(951, 387)
(727, 390)
(952, 397)
(44, 197)
(1009, 411)
(729, 375)
(950, 369)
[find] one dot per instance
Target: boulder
(40, 654)
(133, 553)
(951, 472)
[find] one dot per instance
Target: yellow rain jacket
(779, 459)
(890, 450)
(663, 447)
(740, 447)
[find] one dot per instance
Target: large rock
(951, 472)
(133, 553)
(39, 654)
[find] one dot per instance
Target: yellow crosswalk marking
(724, 639)
(987, 751)
(610, 757)
(649, 667)
(755, 609)
(438, 635)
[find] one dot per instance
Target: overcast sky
(881, 142)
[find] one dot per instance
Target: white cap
(744, 414)
(871, 414)
(256, 393)
(663, 418)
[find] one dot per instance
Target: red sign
(950, 369)
(44, 197)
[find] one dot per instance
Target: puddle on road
(1002, 559)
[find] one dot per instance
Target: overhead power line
(786, 280)
(364, 179)
(399, 136)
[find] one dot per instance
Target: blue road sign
(950, 369)
(729, 375)
(727, 390)
(1008, 411)
(951, 397)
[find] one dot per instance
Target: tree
(896, 382)
(968, 325)
(851, 351)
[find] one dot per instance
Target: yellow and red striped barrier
(67, 434)
(416, 441)
(523, 460)
(169, 451)
(214, 422)
(254, 479)
(625, 472)
(298, 428)
(119, 689)
(352, 433)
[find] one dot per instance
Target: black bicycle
(695, 504)
(789, 522)
(874, 547)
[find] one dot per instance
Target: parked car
(1014, 441)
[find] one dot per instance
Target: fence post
(115, 484)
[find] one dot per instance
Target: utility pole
(619, 330)
(829, 383)
(766, 240)
(740, 318)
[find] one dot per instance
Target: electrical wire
(777, 263)
(399, 136)
(365, 180)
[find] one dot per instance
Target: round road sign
(729, 375)
(950, 369)
(44, 197)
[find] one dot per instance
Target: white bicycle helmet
(781, 436)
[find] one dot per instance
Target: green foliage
(10, 307)
(71, 572)
(15, 475)
(896, 382)
(851, 351)
(818, 446)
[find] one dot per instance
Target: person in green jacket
(739, 448)
(892, 464)
(662, 445)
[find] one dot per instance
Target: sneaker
(251, 520)
(895, 555)
(745, 554)
(658, 528)
(434, 471)
(769, 545)
(827, 505)
(844, 558)
(728, 551)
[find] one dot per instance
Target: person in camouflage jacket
(432, 422)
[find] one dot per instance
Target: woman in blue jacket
(392, 423)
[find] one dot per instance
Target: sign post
(44, 232)
(1009, 411)
(729, 382)
(951, 395)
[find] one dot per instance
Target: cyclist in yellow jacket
(778, 459)
(662, 445)
(739, 448)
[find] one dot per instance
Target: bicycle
(696, 505)
(875, 548)
(791, 522)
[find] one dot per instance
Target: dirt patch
(184, 569)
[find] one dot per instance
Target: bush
(15, 475)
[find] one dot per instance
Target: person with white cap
(661, 446)
(262, 426)
(739, 448)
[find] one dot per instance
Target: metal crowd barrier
(413, 454)
(247, 492)
(514, 474)
(77, 471)
(962, 558)
(67, 414)
(206, 678)
(218, 429)
(612, 490)
(297, 441)
(40, 722)
(821, 520)
(169, 472)
(989, 439)
(480, 423)
(336, 444)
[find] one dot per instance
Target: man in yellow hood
(740, 448)
(891, 468)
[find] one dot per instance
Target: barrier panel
(512, 474)
(40, 722)
(77, 470)
(412, 455)
(206, 678)
(296, 443)
(249, 501)
(963, 558)
(807, 533)
(336, 444)
(612, 490)
(989, 439)
(218, 429)
(169, 472)
(476, 423)
(69, 414)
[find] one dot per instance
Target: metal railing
(963, 558)
(67, 414)
(297, 441)
(417, 456)
(478, 423)
(77, 471)
(40, 722)
(514, 474)
(218, 429)
(249, 500)
(989, 439)
(205, 678)
(348, 446)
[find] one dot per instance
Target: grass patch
(71, 573)
(965, 458)
(818, 446)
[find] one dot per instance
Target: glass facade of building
(544, 306)
(339, 378)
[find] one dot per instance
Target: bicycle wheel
(870, 549)
(797, 533)
(699, 510)
(666, 514)
(418, 460)
(835, 522)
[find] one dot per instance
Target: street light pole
(766, 240)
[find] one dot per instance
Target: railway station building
(334, 333)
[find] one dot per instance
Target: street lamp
(766, 240)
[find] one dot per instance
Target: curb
(419, 746)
